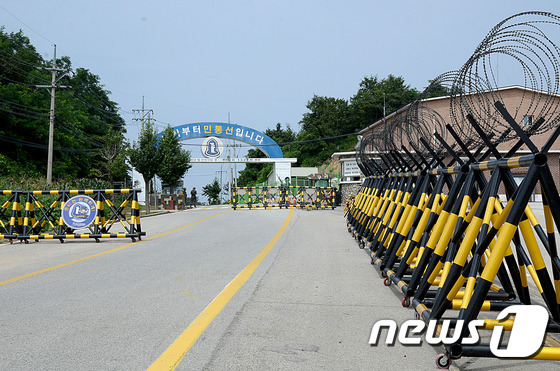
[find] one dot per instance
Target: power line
(22, 114)
(12, 68)
(88, 88)
(145, 114)
(116, 123)
(283, 143)
(16, 59)
(18, 82)
(22, 22)
(42, 146)
(23, 107)
(102, 99)
(317, 140)
(78, 134)
(162, 123)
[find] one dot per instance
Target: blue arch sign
(230, 131)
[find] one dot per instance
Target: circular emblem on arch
(212, 147)
(79, 212)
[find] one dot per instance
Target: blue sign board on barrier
(79, 211)
(229, 131)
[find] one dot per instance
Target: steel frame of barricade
(253, 197)
(283, 197)
(446, 250)
(29, 225)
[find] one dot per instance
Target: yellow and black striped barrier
(453, 248)
(73, 214)
(442, 215)
(283, 197)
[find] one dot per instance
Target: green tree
(212, 191)
(376, 97)
(113, 153)
(174, 159)
(83, 113)
(284, 137)
(437, 90)
(85, 116)
(328, 117)
(254, 173)
(145, 157)
(330, 123)
(23, 108)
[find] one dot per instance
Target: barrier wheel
(387, 281)
(362, 244)
(443, 361)
(405, 302)
(383, 274)
(97, 240)
(371, 261)
(134, 239)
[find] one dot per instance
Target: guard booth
(173, 198)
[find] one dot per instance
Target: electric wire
(23, 23)
(281, 144)
(6, 139)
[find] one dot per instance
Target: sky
(256, 62)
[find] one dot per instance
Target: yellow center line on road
(171, 358)
(103, 253)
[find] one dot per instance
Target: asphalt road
(310, 304)
(121, 310)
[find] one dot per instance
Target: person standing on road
(337, 196)
(193, 196)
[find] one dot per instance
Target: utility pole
(53, 87)
(229, 165)
(51, 121)
(144, 114)
(221, 186)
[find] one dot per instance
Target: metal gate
(35, 221)
(283, 197)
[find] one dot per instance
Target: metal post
(51, 121)
(52, 88)
(230, 185)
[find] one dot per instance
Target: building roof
(403, 108)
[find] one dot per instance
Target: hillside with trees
(89, 137)
(89, 141)
(331, 123)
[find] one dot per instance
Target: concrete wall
(349, 189)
